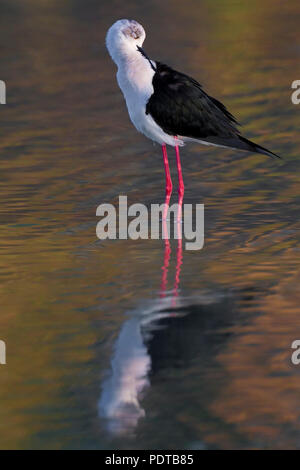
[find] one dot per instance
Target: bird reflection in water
(120, 404)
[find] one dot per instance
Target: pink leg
(180, 179)
(167, 171)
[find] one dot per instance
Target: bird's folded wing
(181, 107)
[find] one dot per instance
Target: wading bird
(167, 106)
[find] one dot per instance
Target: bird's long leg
(167, 171)
(180, 179)
(169, 185)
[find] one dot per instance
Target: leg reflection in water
(167, 255)
(131, 363)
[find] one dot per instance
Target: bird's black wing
(181, 107)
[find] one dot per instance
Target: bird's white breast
(135, 80)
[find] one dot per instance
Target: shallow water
(205, 358)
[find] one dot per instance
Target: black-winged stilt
(167, 106)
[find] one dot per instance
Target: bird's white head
(123, 38)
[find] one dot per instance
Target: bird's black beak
(141, 50)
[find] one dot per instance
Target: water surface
(206, 362)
